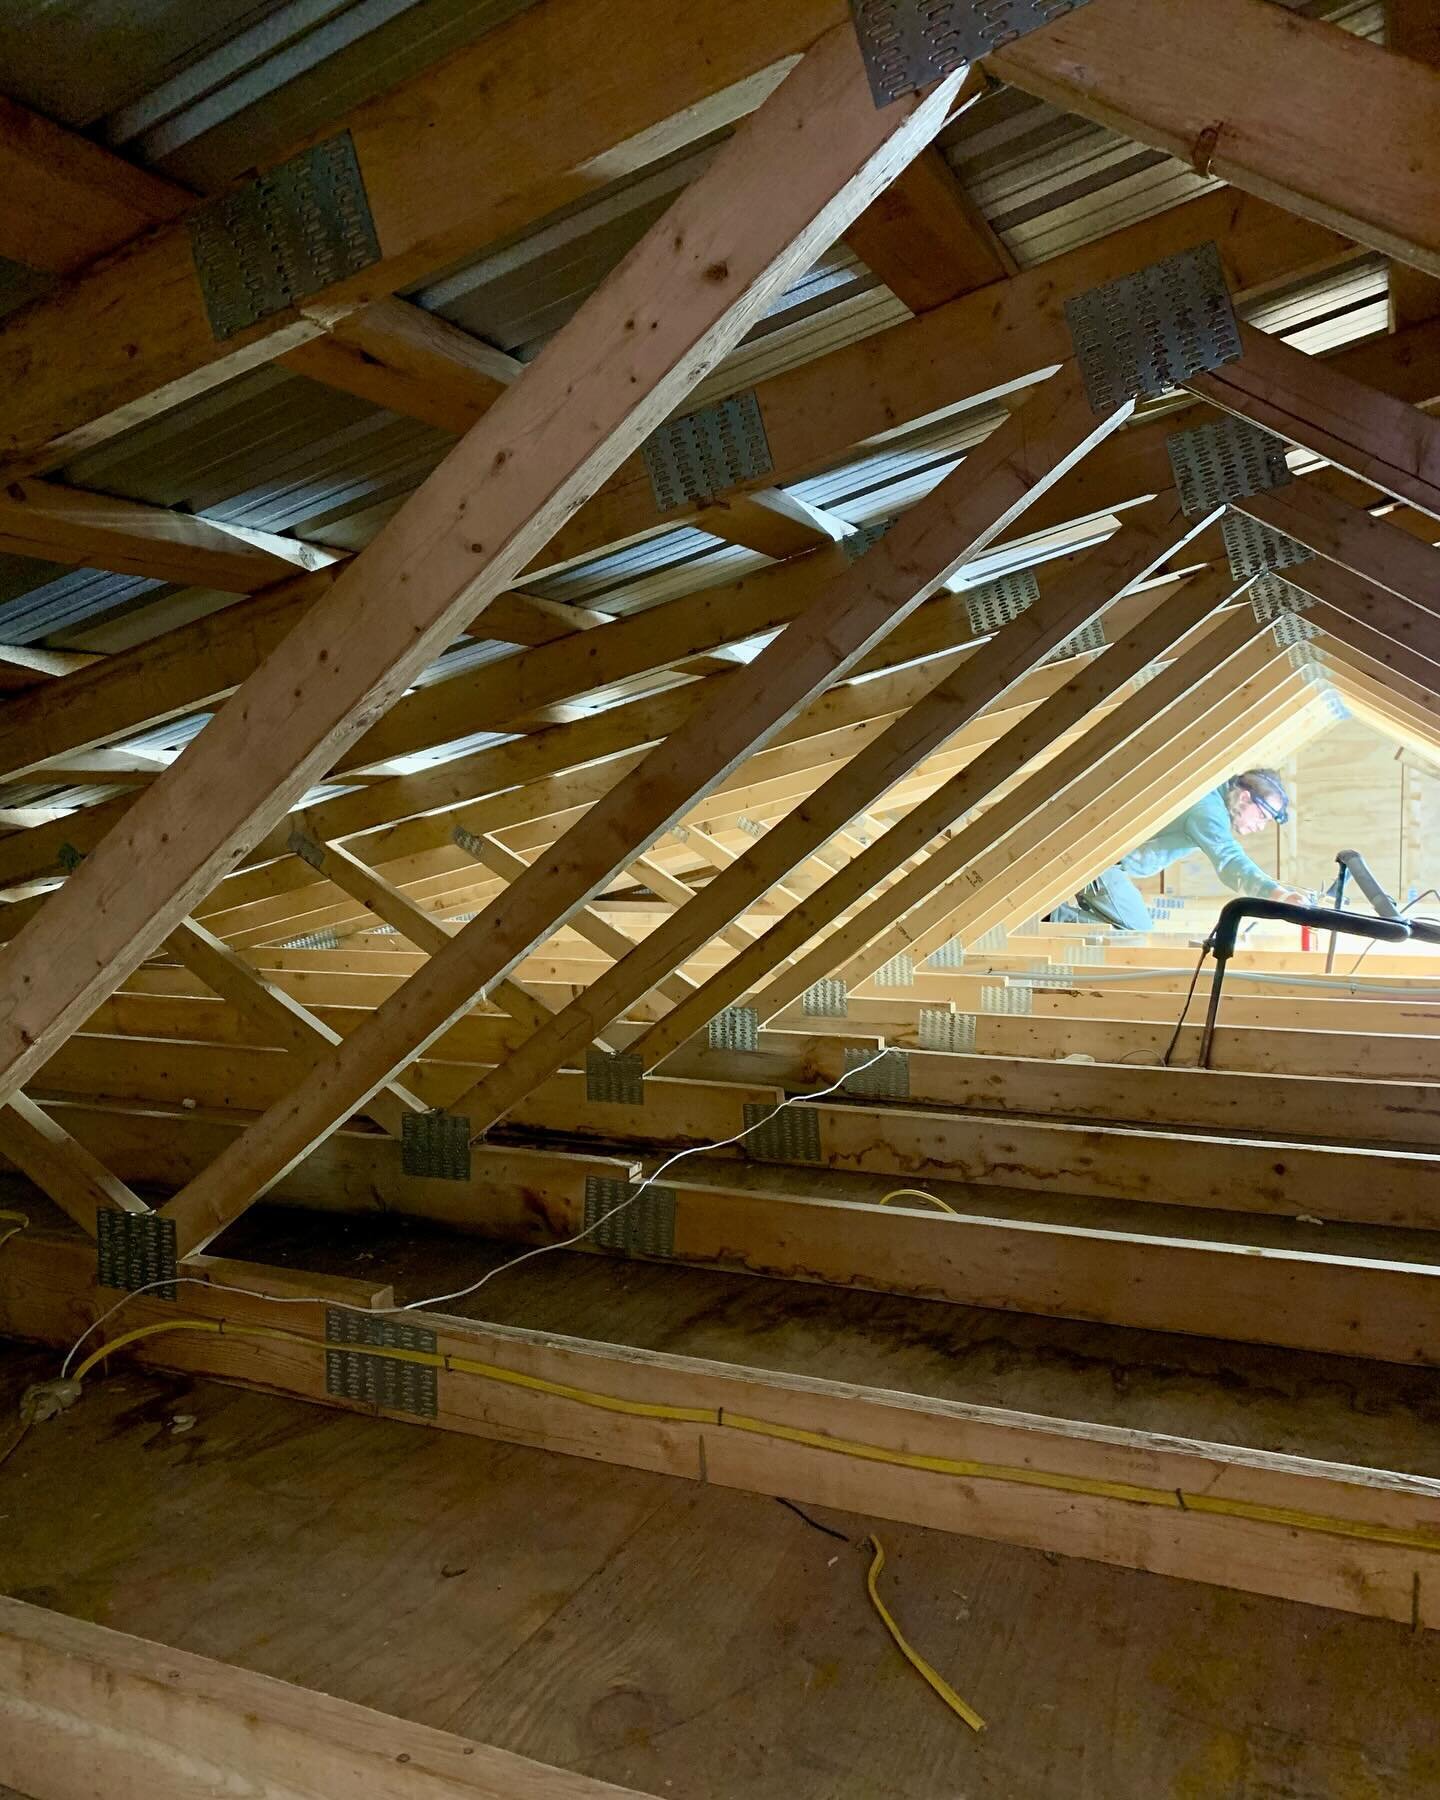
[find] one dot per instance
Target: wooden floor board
(692, 1642)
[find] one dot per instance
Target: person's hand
(1294, 897)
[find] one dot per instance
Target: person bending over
(1245, 803)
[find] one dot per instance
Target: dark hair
(1263, 784)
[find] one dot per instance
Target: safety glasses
(1279, 814)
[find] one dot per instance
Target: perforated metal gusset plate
(132, 1250)
(306, 849)
(790, 1135)
(858, 542)
(1271, 596)
(906, 44)
(707, 452)
(435, 1146)
(828, 999)
(1086, 950)
(1254, 548)
(941, 1030)
(737, 1028)
(1335, 706)
(1090, 636)
(995, 998)
(996, 938)
(899, 972)
(1291, 628)
(644, 1226)
(293, 231)
(751, 827)
(1053, 975)
(617, 1080)
(468, 841)
(996, 603)
(887, 1079)
(325, 939)
(950, 955)
(1142, 335)
(377, 1379)
(1229, 459)
(1309, 660)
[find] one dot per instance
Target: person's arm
(1209, 826)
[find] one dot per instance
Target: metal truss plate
(306, 849)
(1141, 336)
(468, 841)
(906, 44)
(827, 999)
(1253, 548)
(899, 972)
(737, 1028)
(1335, 706)
(859, 541)
(706, 453)
(1053, 975)
(69, 858)
(435, 1145)
(941, 1030)
(1308, 660)
(134, 1250)
(367, 1375)
(1229, 459)
(751, 827)
(639, 1227)
(1271, 597)
(1087, 950)
(313, 940)
(791, 1134)
(887, 1079)
(950, 955)
(1090, 636)
(1291, 628)
(295, 230)
(614, 1080)
(996, 603)
(998, 998)
(996, 938)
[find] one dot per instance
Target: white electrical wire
(464, 1293)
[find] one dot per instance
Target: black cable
(1429, 894)
(800, 1513)
(1180, 1022)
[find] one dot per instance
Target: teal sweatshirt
(1205, 827)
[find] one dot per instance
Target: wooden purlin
(690, 290)
(1246, 91)
(888, 582)
(1081, 591)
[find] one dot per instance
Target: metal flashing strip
(1013, 1001)
(1228, 459)
(306, 849)
(790, 1135)
(995, 603)
(1143, 335)
(1254, 548)
(324, 939)
(293, 231)
(887, 1079)
(643, 1226)
(736, 1028)
(899, 972)
(705, 453)
(907, 44)
(135, 1250)
(951, 1031)
(435, 1145)
(614, 1080)
(950, 955)
(826, 999)
(370, 1377)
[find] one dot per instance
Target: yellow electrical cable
(916, 1661)
(920, 1194)
(1175, 1499)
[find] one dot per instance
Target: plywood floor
(702, 1644)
